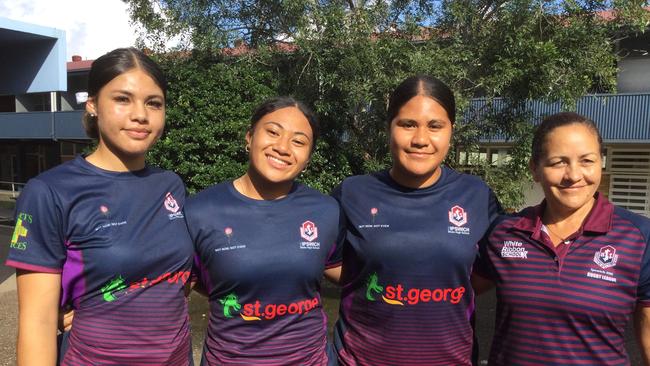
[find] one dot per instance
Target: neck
(408, 180)
(566, 222)
(105, 159)
(253, 186)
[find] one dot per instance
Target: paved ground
(199, 312)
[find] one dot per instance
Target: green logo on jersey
(20, 230)
(373, 286)
(114, 285)
(230, 302)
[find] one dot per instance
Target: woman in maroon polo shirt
(571, 271)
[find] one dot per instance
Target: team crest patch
(457, 216)
(172, 206)
(308, 231)
(606, 257)
(170, 203)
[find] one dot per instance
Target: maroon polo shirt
(566, 305)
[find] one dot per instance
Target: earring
(247, 148)
(93, 115)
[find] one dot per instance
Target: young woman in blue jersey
(571, 271)
(263, 242)
(412, 234)
(106, 235)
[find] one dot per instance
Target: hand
(65, 319)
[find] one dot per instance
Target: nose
(573, 173)
(282, 145)
(139, 112)
(420, 138)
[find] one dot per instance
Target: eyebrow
(281, 127)
(131, 94)
(412, 120)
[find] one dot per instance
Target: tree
(348, 55)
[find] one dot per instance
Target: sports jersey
(261, 263)
(567, 305)
(120, 243)
(407, 261)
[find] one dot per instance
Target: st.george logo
(457, 216)
(606, 257)
(170, 203)
(308, 231)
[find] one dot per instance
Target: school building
(40, 119)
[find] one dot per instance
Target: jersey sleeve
(643, 289)
(37, 243)
(336, 254)
(494, 207)
(482, 264)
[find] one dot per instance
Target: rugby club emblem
(606, 257)
(457, 216)
(308, 231)
(170, 203)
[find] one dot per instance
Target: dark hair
(273, 104)
(422, 85)
(558, 120)
(112, 65)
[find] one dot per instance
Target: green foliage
(349, 55)
(210, 102)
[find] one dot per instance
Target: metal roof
(623, 118)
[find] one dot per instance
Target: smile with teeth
(276, 162)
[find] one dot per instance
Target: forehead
(134, 80)
(289, 118)
(575, 137)
(422, 107)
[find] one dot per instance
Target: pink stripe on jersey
(143, 327)
(31, 267)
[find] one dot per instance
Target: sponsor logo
(401, 296)
(229, 232)
(606, 257)
(172, 206)
(117, 287)
(256, 311)
(513, 249)
(110, 224)
(374, 211)
(19, 237)
(308, 231)
(104, 210)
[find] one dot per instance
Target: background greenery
(344, 57)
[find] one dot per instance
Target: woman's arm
(333, 274)
(642, 327)
(481, 284)
(38, 309)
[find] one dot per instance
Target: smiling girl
(263, 243)
(105, 235)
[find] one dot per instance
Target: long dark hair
(112, 65)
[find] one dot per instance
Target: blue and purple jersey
(120, 243)
(261, 263)
(570, 304)
(407, 260)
